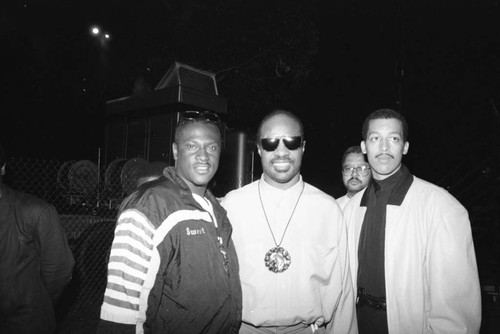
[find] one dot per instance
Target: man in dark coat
(36, 262)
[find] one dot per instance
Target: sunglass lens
(190, 115)
(269, 144)
(211, 117)
(197, 115)
(292, 143)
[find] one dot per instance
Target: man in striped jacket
(173, 266)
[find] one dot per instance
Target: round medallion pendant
(278, 259)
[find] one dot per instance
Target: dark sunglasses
(208, 116)
(271, 144)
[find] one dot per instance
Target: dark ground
(84, 321)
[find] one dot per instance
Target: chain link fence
(87, 197)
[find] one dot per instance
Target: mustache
(274, 160)
(354, 178)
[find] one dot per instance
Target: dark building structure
(141, 126)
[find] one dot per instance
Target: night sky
(332, 62)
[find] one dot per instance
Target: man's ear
(406, 147)
(175, 151)
(363, 146)
(2, 170)
(259, 151)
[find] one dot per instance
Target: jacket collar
(400, 190)
(185, 192)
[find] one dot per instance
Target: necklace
(278, 259)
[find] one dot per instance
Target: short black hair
(280, 112)
(385, 114)
(352, 150)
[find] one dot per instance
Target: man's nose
(384, 144)
(281, 150)
(202, 154)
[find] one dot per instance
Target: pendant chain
(289, 219)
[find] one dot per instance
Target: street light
(98, 58)
(96, 31)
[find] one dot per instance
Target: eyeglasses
(207, 116)
(271, 144)
(361, 170)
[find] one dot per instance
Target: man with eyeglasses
(291, 242)
(355, 173)
(410, 244)
(173, 267)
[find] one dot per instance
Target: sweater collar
(297, 187)
(401, 181)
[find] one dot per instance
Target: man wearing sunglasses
(356, 173)
(290, 241)
(173, 266)
(410, 244)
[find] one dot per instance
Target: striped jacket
(166, 270)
